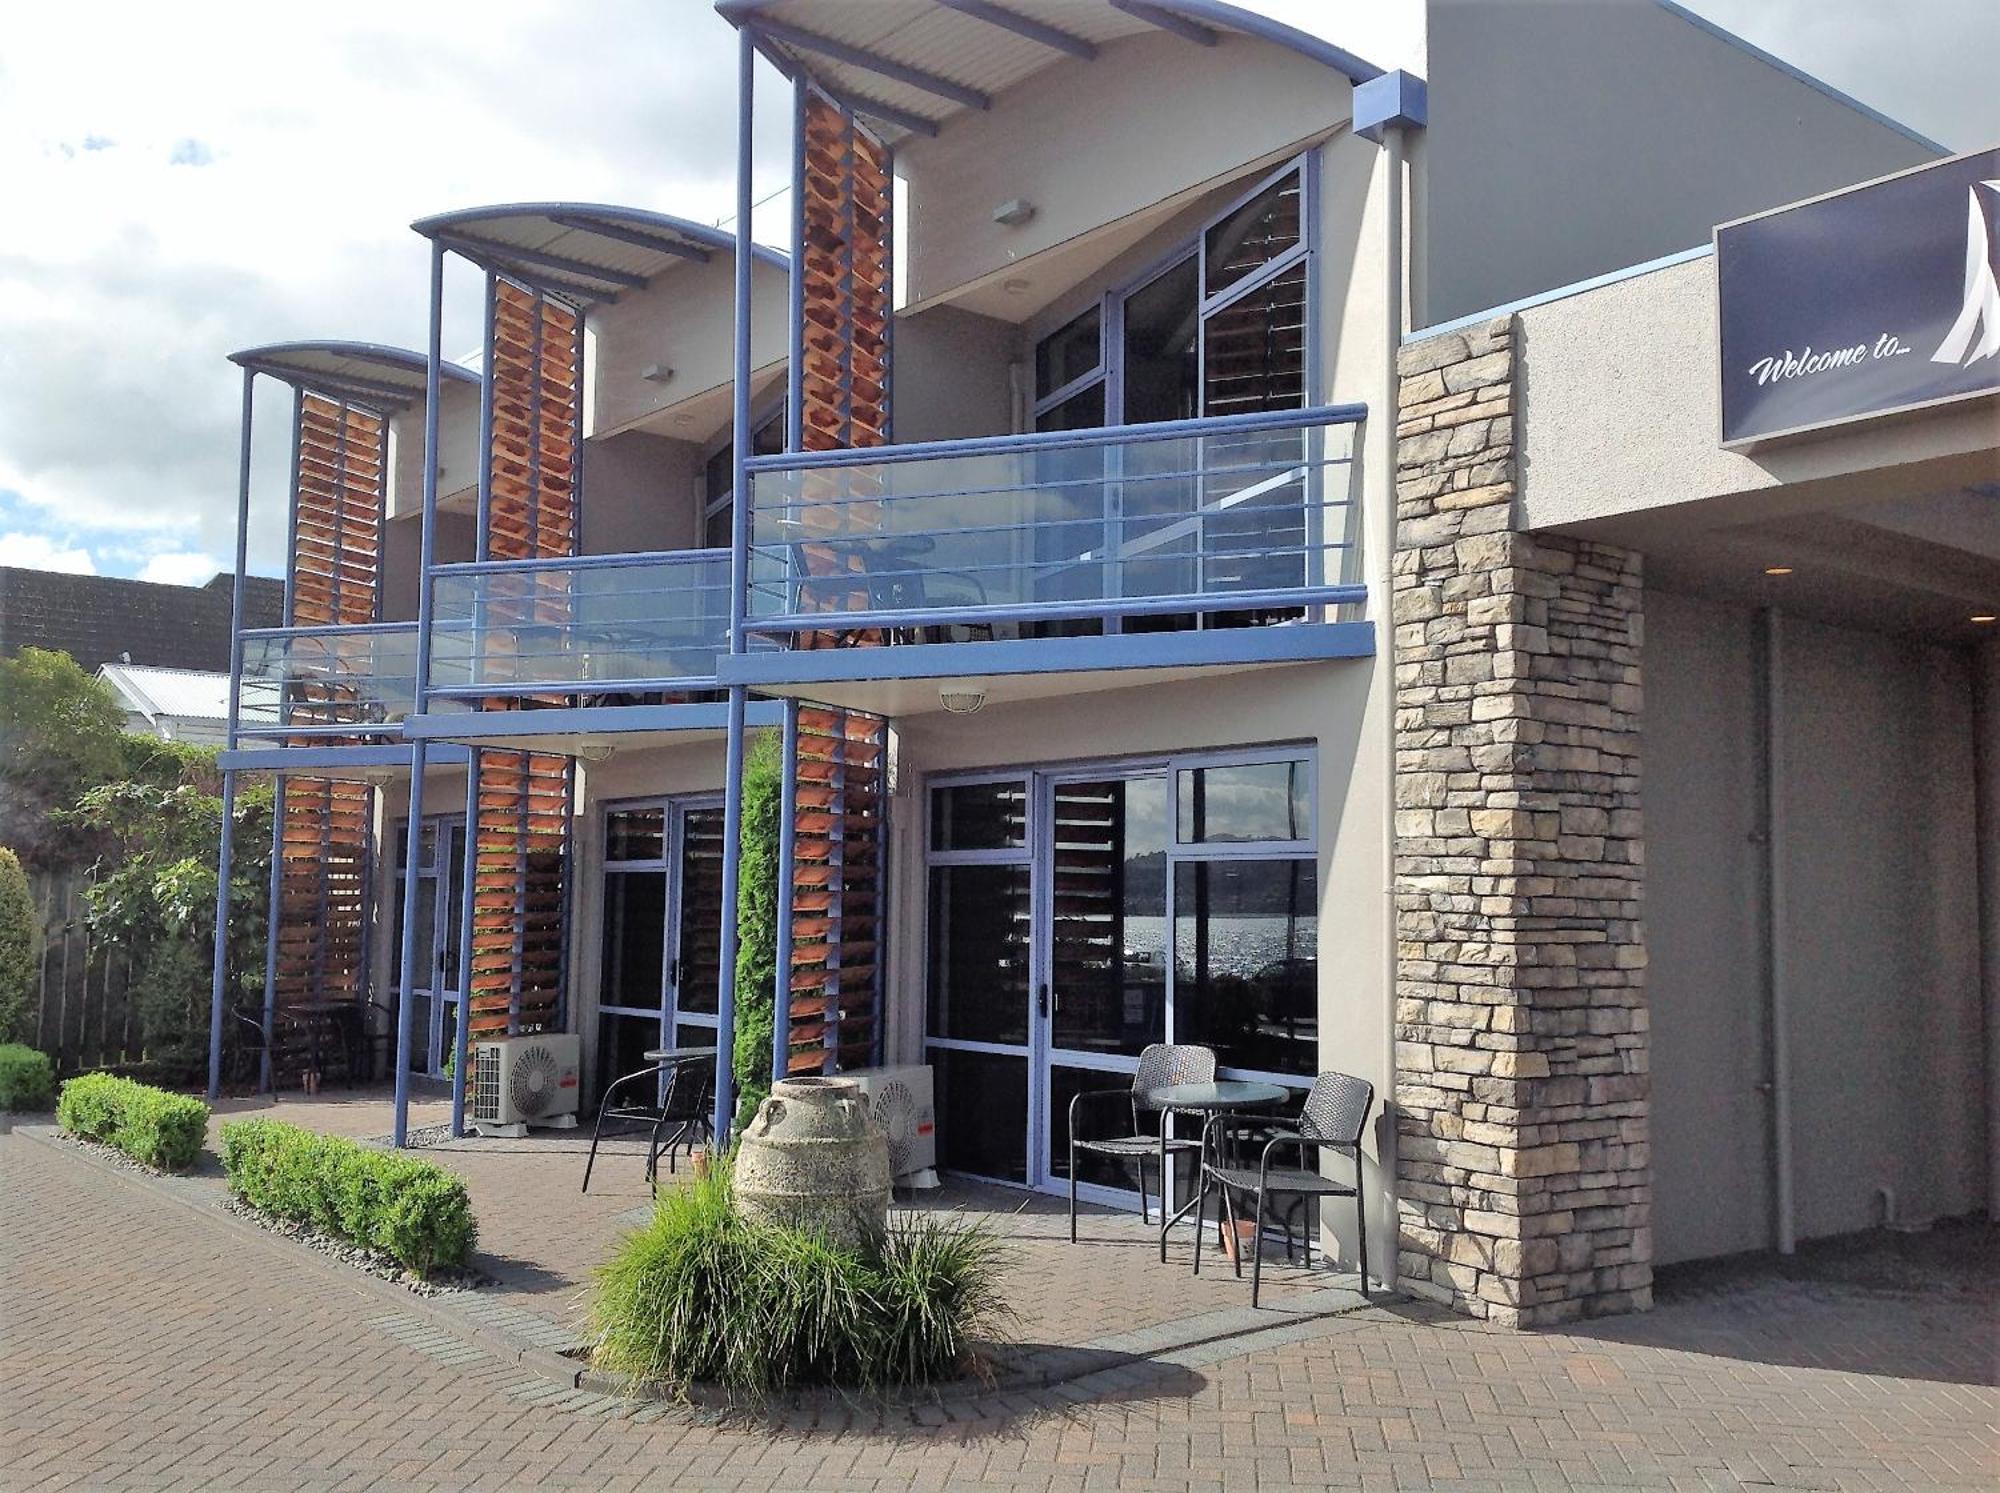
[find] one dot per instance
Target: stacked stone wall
(1520, 1015)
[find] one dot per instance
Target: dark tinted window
(1067, 354)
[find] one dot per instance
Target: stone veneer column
(1520, 1006)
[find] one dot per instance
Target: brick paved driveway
(148, 1342)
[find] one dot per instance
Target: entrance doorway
(1077, 914)
(437, 988)
(662, 930)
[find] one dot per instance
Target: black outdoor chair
(1159, 1065)
(677, 1119)
(1334, 1118)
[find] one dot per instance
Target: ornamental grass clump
(700, 1295)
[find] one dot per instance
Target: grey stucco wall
(1880, 931)
(1567, 140)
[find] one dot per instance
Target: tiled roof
(100, 619)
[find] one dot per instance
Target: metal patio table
(1204, 1099)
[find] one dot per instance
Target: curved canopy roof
(364, 370)
(584, 250)
(911, 65)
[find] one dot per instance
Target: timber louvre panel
(521, 842)
(320, 917)
(837, 902)
(841, 767)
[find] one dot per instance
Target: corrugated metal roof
(967, 45)
(365, 367)
(186, 694)
(583, 249)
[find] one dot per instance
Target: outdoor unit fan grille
(532, 1082)
(896, 1107)
(486, 1086)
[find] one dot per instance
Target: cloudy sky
(178, 190)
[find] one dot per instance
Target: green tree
(757, 925)
(17, 948)
(61, 733)
(154, 895)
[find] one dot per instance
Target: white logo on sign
(1982, 289)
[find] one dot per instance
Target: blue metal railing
(341, 680)
(638, 623)
(1189, 523)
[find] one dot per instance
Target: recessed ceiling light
(1985, 617)
(1777, 570)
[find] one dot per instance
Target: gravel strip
(444, 1282)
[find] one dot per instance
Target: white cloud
(180, 568)
(39, 552)
(310, 136)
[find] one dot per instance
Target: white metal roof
(367, 368)
(185, 694)
(943, 57)
(587, 250)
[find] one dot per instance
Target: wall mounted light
(1013, 212)
(966, 699)
(656, 373)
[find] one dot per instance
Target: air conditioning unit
(901, 1099)
(523, 1081)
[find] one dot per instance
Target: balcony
(336, 681)
(601, 628)
(1181, 543)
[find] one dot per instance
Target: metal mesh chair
(1160, 1064)
(1333, 1118)
(678, 1119)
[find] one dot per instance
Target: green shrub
(161, 1129)
(17, 948)
(27, 1077)
(414, 1211)
(701, 1295)
(757, 925)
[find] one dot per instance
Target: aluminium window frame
(1037, 779)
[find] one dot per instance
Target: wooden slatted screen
(848, 302)
(837, 890)
(522, 837)
(320, 918)
(837, 911)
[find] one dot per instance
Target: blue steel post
(461, 1042)
(419, 747)
(739, 567)
(271, 908)
(220, 974)
(788, 818)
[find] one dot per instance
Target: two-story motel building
(1225, 507)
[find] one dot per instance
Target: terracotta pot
(814, 1158)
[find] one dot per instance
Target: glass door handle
(1042, 1002)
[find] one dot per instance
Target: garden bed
(442, 1281)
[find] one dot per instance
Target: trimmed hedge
(159, 1128)
(415, 1211)
(27, 1077)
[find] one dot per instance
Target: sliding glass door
(436, 991)
(1076, 916)
(662, 906)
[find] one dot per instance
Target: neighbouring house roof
(182, 694)
(101, 619)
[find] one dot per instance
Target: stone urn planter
(814, 1158)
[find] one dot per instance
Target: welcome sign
(1880, 298)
